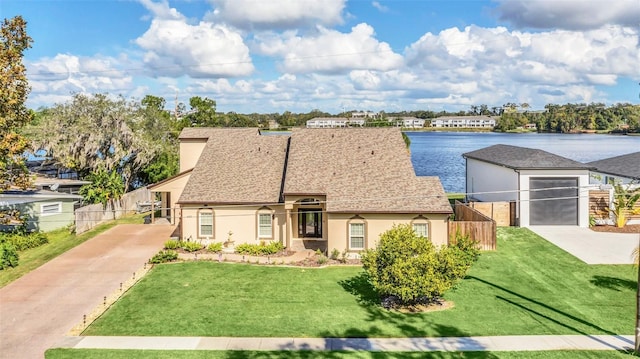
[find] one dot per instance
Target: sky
(265, 56)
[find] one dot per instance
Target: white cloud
(59, 76)
(278, 14)
(379, 6)
(569, 14)
(330, 51)
(175, 48)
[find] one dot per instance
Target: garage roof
(524, 158)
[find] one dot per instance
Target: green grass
(60, 241)
(198, 354)
(528, 286)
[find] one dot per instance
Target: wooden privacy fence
(92, 215)
(476, 225)
(600, 202)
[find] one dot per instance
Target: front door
(310, 223)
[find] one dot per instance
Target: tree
(14, 89)
(624, 202)
(203, 113)
(95, 131)
(105, 187)
(412, 270)
(155, 125)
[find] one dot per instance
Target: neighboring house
(548, 189)
(624, 169)
(409, 122)
(333, 122)
(316, 188)
(464, 122)
(63, 185)
(43, 210)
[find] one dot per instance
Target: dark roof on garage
(523, 158)
(623, 166)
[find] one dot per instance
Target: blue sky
(299, 55)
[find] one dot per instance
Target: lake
(440, 153)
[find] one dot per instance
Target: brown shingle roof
(237, 166)
(208, 132)
(360, 170)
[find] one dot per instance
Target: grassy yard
(60, 241)
(528, 286)
(202, 354)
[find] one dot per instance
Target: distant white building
(464, 121)
(409, 122)
(364, 114)
(333, 122)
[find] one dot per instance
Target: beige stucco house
(315, 188)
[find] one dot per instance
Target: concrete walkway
(590, 246)
(499, 343)
(41, 307)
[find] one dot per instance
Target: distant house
(315, 188)
(334, 122)
(43, 210)
(409, 122)
(547, 189)
(624, 169)
(464, 122)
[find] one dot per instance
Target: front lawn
(208, 354)
(528, 286)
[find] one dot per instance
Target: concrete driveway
(37, 310)
(590, 246)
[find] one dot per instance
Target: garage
(553, 201)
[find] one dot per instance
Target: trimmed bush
(261, 249)
(164, 256)
(8, 255)
(192, 246)
(412, 269)
(215, 247)
(172, 244)
(25, 241)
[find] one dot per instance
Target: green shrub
(164, 256)
(192, 246)
(322, 259)
(8, 255)
(261, 249)
(413, 270)
(334, 254)
(24, 241)
(215, 247)
(172, 244)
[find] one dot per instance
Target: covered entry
(553, 200)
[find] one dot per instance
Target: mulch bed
(629, 228)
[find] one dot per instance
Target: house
(65, 185)
(409, 122)
(624, 169)
(333, 122)
(43, 210)
(547, 189)
(315, 188)
(464, 122)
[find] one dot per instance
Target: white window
(421, 229)
(356, 235)
(48, 209)
(264, 225)
(205, 221)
